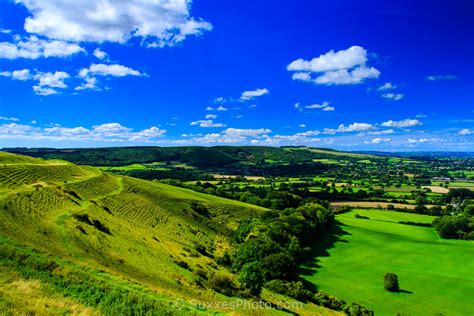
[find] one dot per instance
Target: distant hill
(203, 157)
(434, 154)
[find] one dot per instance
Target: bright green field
(437, 275)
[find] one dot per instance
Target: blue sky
(350, 75)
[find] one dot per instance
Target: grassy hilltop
(72, 238)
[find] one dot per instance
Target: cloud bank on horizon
(181, 72)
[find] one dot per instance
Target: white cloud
(230, 135)
(219, 100)
(52, 79)
(249, 95)
(252, 106)
(330, 61)
(46, 81)
(335, 68)
(211, 116)
(383, 132)
(21, 75)
(108, 132)
(100, 54)
(90, 83)
(377, 141)
(329, 108)
(221, 108)
(317, 106)
(158, 23)
(34, 48)
(303, 76)
(414, 141)
(302, 125)
(323, 106)
(465, 132)
(207, 123)
(5, 31)
(209, 108)
(39, 90)
(386, 86)
(344, 76)
(354, 127)
(114, 70)
(402, 123)
(440, 77)
(393, 96)
(13, 119)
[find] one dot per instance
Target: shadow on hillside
(321, 246)
(405, 291)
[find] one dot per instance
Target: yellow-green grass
(329, 161)
(21, 296)
(435, 275)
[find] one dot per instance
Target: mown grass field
(436, 275)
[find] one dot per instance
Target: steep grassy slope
(436, 275)
(134, 231)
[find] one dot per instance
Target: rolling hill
(79, 240)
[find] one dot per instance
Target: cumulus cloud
(100, 54)
(249, 95)
(402, 123)
(13, 119)
(377, 141)
(34, 48)
(230, 135)
(419, 140)
(108, 132)
(323, 106)
(21, 75)
(47, 82)
(115, 70)
(354, 127)
(440, 77)
(211, 116)
(158, 23)
(335, 68)
(393, 96)
(207, 123)
(386, 86)
(465, 132)
(221, 108)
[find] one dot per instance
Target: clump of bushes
(458, 227)
(200, 208)
(361, 216)
(415, 223)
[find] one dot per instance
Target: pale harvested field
(436, 189)
(250, 178)
(366, 204)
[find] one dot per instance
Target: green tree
(390, 282)
(251, 278)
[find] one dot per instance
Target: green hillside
(73, 233)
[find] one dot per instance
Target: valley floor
(436, 275)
